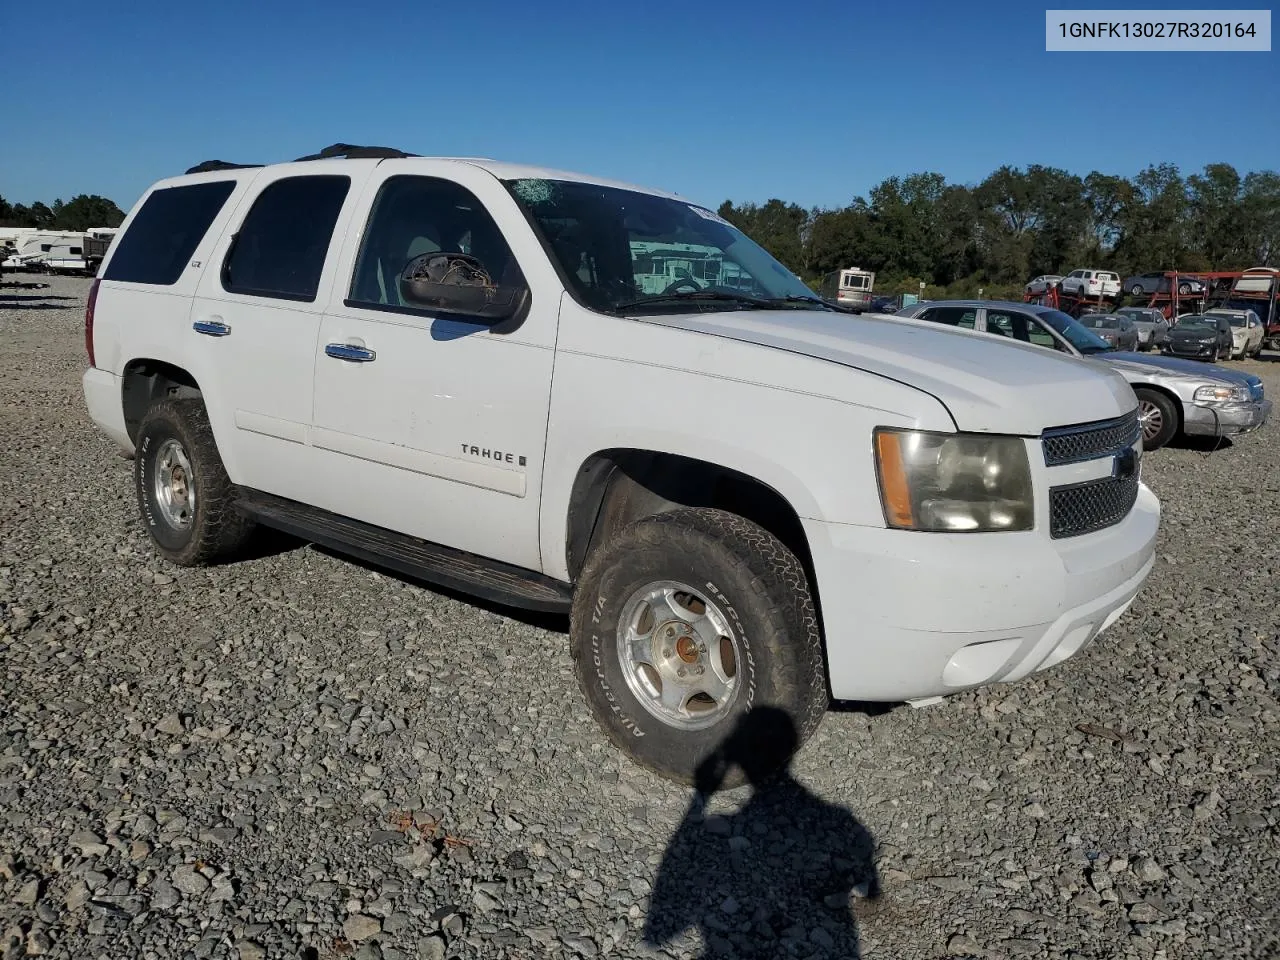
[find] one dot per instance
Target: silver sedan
(1174, 396)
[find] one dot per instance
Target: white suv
(1091, 283)
(462, 370)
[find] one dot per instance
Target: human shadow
(776, 878)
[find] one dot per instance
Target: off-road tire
(1168, 414)
(760, 586)
(218, 531)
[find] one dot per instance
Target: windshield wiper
(817, 301)
(699, 296)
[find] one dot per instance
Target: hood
(1147, 366)
(989, 385)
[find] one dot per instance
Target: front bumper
(910, 615)
(1194, 350)
(1225, 419)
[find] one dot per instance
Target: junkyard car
(1042, 283)
(1115, 328)
(1152, 327)
(1092, 283)
(1174, 396)
(1201, 337)
(1157, 282)
(511, 381)
(1246, 332)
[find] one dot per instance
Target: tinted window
(416, 215)
(281, 246)
(165, 233)
(952, 316)
(1019, 326)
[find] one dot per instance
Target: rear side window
(281, 246)
(166, 231)
(952, 316)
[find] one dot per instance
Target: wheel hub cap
(678, 654)
(175, 496)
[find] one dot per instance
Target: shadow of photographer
(775, 878)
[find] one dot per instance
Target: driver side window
(413, 215)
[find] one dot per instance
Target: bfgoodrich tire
(186, 500)
(684, 623)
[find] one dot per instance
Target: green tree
(85, 211)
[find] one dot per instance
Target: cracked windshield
(633, 251)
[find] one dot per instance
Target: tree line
(1020, 223)
(75, 216)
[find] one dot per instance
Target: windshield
(626, 249)
(1197, 323)
(1100, 321)
(1083, 339)
(1236, 320)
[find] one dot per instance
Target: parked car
(1246, 331)
(1175, 397)
(443, 366)
(1151, 324)
(1202, 337)
(1145, 284)
(1043, 283)
(1117, 329)
(1091, 283)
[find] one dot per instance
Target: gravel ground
(296, 756)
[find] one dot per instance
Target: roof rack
(349, 151)
(209, 166)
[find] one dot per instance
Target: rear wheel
(1158, 417)
(186, 500)
(685, 623)
(1136, 290)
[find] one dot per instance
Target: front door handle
(349, 352)
(211, 328)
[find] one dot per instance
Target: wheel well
(615, 487)
(148, 381)
(1168, 394)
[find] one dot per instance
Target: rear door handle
(349, 352)
(211, 328)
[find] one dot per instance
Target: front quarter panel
(799, 425)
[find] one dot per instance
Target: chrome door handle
(349, 352)
(211, 328)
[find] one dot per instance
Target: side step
(431, 562)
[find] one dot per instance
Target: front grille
(1087, 507)
(1089, 441)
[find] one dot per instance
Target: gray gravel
(296, 756)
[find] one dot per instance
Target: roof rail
(349, 151)
(210, 165)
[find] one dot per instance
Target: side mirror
(457, 284)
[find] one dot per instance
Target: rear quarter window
(166, 231)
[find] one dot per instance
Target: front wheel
(686, 623)
(1136, 290)
(1158, 417)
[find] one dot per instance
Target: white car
(740, 494)
(1043, 283)
(1091, 283)
(1246, 332)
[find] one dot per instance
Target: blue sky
(811, 101)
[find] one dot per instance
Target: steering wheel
(683, 282)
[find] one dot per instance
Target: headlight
(1221, 394)
(958, 483)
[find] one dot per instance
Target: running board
(421, 559)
